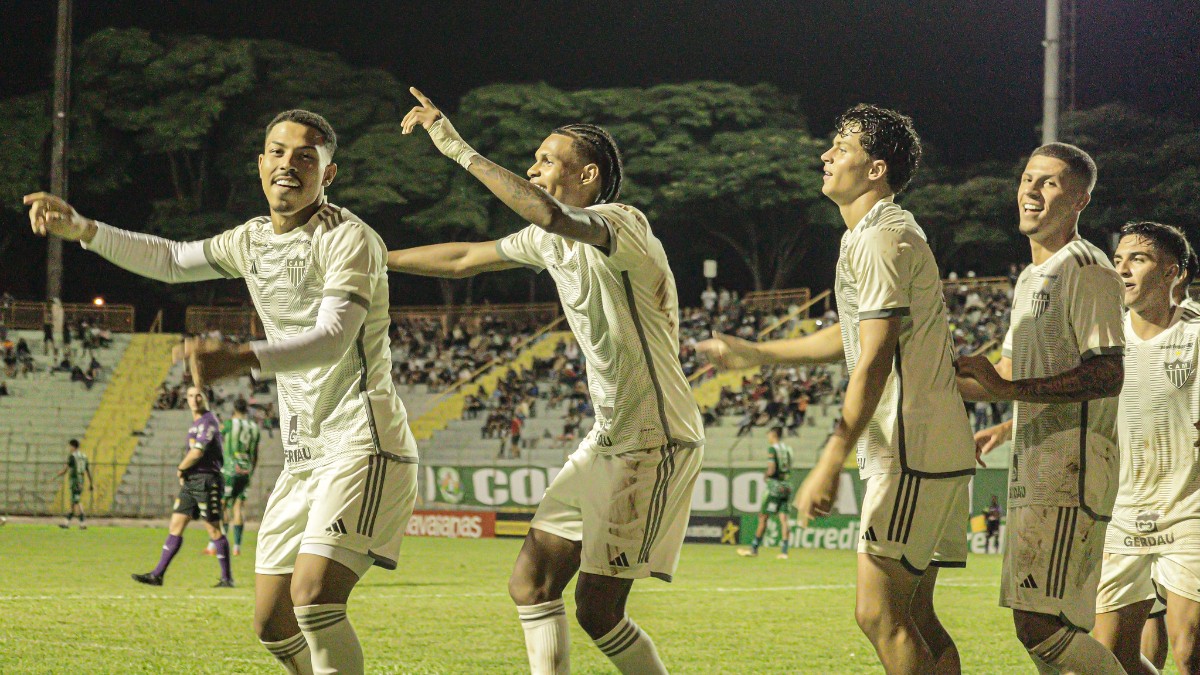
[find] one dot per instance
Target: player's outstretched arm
(149, 256)
(526, 199)
(453, 260)
(1098, 377)
(878, 339)
(970, 388)
(726, 351)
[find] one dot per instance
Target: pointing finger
(420, 97)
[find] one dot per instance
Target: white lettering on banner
(711, 492)
(847, 501)
(484, 481)
(453, 527)
(748, 489)
(527, 486)
(430, 484)
(977, 542)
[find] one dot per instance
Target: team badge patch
(1179, 365)
(1041, 298)
(296, 267)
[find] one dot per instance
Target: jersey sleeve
(628, 235)
(225, 252)
(524, 247)
(1006, 350)
(1095, 309)
(882, 262)
(353, 260)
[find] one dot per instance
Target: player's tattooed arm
(538, 207)
(532, 203)
(1098, 377)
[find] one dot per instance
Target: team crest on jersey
(1179, 364)
(1041, 298)
(1147, 521)
(296, 267)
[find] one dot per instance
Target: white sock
(546, 637)
(331, 639)
(631, 650)
(1074, 652)
(292, 653)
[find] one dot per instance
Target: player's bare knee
(525, 590)
(597, 619)
(1034, 629)
(1186, 651)
(870, 616)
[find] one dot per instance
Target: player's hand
(51, 215)
(213, 360)
(989, 439)
(817, 493)
(425, 114)
(980, 369)
(729, 352)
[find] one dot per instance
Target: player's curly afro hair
(596, 146)
(887, 135)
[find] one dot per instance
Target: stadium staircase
(451, 407)
(43, 412)
(123, 412)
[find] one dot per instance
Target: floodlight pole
(1050, 97)
(58, 143)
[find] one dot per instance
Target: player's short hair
(887, 135)
(1165, 238)
(777, 430)
(1079, 163)
(73, 443)
(594, 145)
(308, 119)
(1192, 268)
(240, 405)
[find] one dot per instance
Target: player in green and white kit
(77, 466)
(779, 494)
(241, 436)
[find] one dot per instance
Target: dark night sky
(969, 71)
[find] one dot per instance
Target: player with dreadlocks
(619, 508)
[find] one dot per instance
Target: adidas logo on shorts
(338, 527)
(619, 561)
(1029, 582)
(869, 535)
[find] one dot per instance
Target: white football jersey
(1158, 501)
(1065, 310)
(623, 308)
(885, 268)
(349, 408)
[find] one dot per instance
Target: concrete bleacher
(43, 411)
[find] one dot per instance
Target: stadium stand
(463, 379)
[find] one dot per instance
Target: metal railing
(25, 315)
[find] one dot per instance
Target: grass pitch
(67, 605)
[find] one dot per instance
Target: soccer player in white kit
(1062, 366)
(1153, 544)
(317, 275)
(902, 415)
(1154, 635)
(618, 510)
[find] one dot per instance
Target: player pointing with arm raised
(1062, 366)
(619, 508)
(317, 275)
(902, 414)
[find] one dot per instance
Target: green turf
(67, 605)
